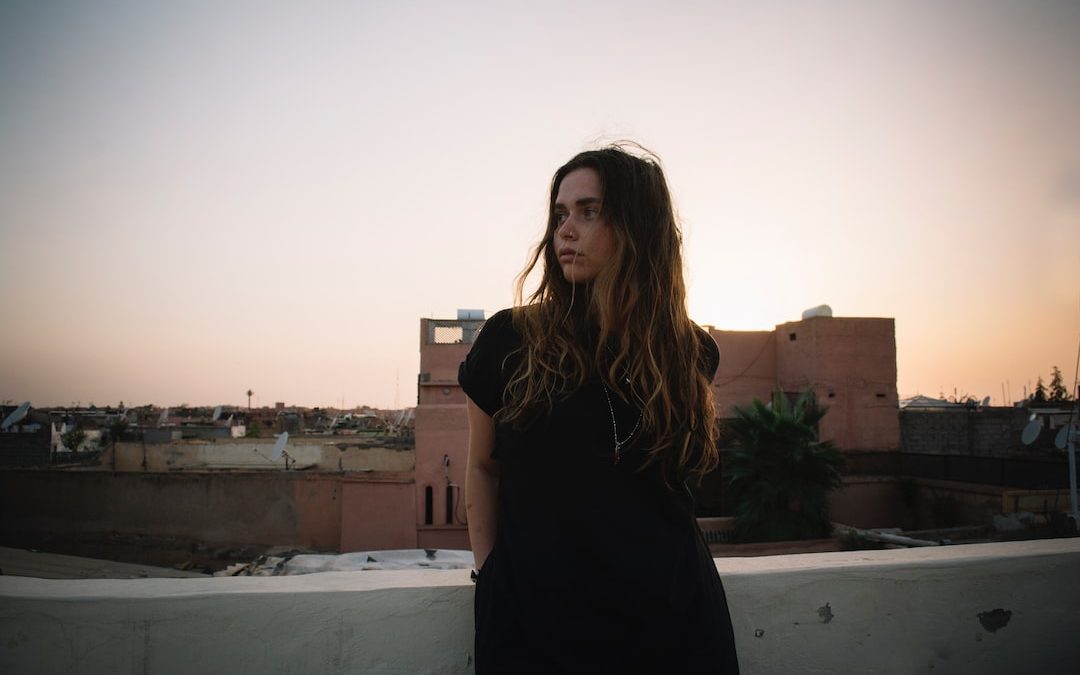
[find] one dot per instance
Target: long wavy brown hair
(630, 320)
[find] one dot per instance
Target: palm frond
(780, 473)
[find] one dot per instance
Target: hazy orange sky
(199, 198)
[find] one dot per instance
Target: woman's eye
(560, 218)
(591, 213)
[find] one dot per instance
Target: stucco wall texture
(981, 609)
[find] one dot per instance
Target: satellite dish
(986, 402)
(279, 447)
(1031, 432)
(1061, 438)
(16, 415)
(217, 414)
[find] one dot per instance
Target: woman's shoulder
(710, 351)
(485, 371)
(500, 329)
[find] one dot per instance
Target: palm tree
(249, 394)
(779, 473)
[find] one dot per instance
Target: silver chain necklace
(619, 445)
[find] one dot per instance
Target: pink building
(850, 363)
(442, 432)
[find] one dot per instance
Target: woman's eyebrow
(584, 201)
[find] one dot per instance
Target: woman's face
(584, 242)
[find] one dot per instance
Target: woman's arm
(481, 483)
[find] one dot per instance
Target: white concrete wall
(875, 612)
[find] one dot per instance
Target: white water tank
(820, 310)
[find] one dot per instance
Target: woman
(589, 411)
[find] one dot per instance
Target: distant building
(927, 402)
(442, 431)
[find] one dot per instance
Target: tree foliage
(1058, 392)
(1039, 395)
(779, 473)
(73, 438)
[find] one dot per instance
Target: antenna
(217, 414)
(15, 415)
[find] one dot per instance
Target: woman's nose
(566, 229)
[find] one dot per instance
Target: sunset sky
(198, 198)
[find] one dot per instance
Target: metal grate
(449, 332)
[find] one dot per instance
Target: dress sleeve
(710, 354)
(484, 373)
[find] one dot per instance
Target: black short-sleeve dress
(597, 567)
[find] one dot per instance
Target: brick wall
(989, 432)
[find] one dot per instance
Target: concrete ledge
(986, 608)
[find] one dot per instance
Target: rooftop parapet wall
(321, 453)
(980, 609)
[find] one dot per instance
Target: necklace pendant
(615, 461)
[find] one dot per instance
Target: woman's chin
(577, 276)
